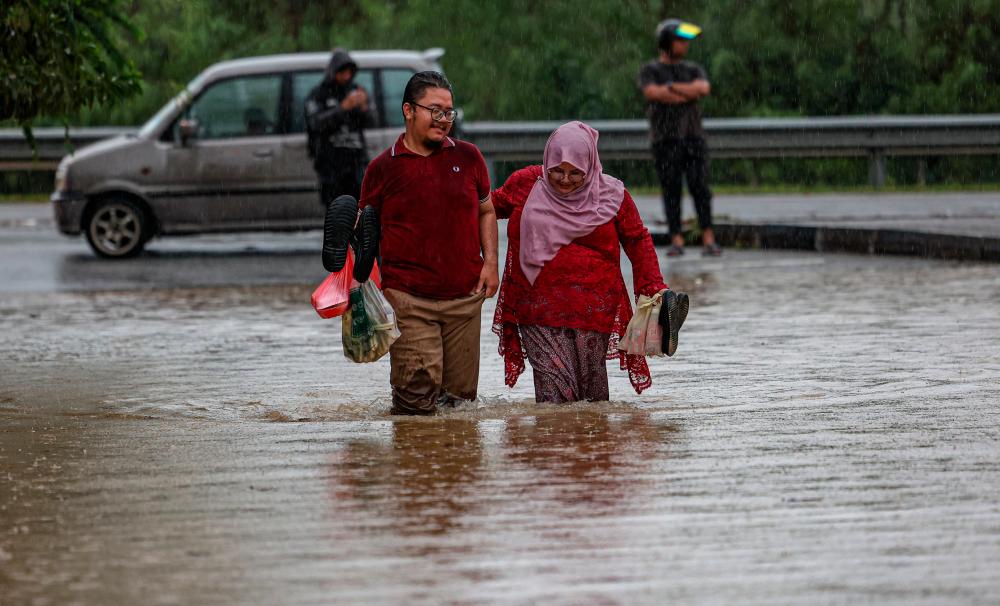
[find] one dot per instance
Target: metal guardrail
(52, 144)
(875, 137)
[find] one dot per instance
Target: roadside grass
(21, 198)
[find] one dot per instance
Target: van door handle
(263, 153)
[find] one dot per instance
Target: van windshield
(165, 115)
(173, 107)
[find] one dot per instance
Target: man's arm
(489, 277)
(367, 115)
(692, 91)
(320, 119)
(663, 93)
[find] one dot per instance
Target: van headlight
(62, 177)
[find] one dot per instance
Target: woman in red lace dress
(563, 303)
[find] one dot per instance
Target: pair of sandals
(673, 312)
(344, 227)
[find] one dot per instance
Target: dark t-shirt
(429, 212)
(672, 121)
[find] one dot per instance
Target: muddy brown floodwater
(827, 433)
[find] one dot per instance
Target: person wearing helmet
(672, 87)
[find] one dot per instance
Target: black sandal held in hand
(366, 238)
(673, 312)
(338, 227)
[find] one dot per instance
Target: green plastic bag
(369, 324)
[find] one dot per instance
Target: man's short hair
(421, 81)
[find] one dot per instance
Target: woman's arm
(514, 192)
(635, 239)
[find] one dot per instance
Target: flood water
(827, 432)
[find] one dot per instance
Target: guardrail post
(491, 170)
(876, 168)
(922, 172)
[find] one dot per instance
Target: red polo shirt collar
(400, 149)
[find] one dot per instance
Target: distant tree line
(529, 60)
(526, 60)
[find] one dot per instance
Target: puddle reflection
(428, 474)
(589, 456)
(421, 479)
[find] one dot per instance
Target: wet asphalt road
(36, 258)
(183, 428)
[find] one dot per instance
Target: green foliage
(62, 61)
(61, 55)
(843, 57)
(528, 60)
(525, 60)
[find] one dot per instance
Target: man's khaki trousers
(437, 353)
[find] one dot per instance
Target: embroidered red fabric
(582, 287)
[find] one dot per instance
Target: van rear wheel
(117, 228)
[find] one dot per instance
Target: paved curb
(853, 240)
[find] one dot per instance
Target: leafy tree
(526, 60)
(61, 55)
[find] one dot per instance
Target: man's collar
(399, 148)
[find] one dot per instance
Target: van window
(239, 107)
(304, 82)
(393, 83)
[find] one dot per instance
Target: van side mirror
(187, 129)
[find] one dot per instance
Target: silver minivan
(226, 154)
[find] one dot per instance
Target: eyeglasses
(439, 115)
(573, 176)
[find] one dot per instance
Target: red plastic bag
(332, 297)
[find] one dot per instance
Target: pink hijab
(551, 220)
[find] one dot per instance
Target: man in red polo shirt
(439, 249)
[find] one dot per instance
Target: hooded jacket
(333, 131)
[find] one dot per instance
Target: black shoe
(338, 227)
(673, 312)
(365, 242)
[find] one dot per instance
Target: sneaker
(675, 251)
(673, 312)
(338, 227)
(365, 242)
(711, 250)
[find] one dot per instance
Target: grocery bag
(332, 297)
(369, 326)
(644, 335)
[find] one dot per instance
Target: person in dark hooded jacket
(337, 113)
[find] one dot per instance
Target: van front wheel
(117, 228)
